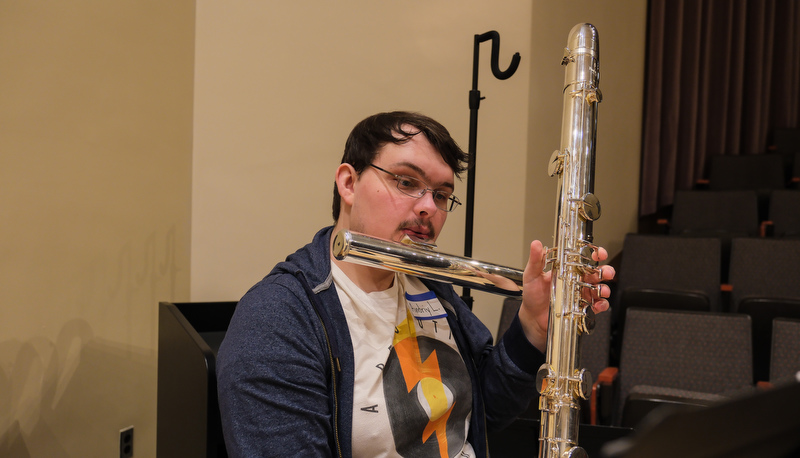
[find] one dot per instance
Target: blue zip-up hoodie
(285, 369)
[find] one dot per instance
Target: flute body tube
(562, 383)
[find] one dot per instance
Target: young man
(329, 358)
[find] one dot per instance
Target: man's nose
(427, 204)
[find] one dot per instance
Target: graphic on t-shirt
(428, 393)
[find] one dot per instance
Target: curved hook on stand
(512, 67)
(474, 104)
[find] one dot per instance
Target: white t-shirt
(412, 395)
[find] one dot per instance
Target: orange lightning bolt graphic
(427, 375)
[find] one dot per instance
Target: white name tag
(425, 306)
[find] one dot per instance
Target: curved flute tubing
(561, 381)
(420, 259)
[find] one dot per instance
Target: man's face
(381, 210)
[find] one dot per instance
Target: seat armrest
(767, 229)
(608, 376)
(726, 291)
(602, 397)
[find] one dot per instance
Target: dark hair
(371, 134)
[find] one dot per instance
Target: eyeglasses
(415, 188)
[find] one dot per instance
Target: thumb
(536, 262)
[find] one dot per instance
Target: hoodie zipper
(332, 358)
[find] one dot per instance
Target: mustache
(419, 223)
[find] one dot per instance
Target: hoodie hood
(314, 260)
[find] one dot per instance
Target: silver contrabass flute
(561, 382)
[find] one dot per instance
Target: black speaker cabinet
(189, 335)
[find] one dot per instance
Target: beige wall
(95, 183)
(279, 85)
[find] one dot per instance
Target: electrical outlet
(126, 442)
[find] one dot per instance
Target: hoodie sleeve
(272, 375)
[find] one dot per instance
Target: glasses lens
(450, 204)
(442, 200)
(410, 186)
(413, 187)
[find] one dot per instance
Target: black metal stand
(474, 103)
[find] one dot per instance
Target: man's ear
(346, 177)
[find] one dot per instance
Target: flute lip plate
(418, 243)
